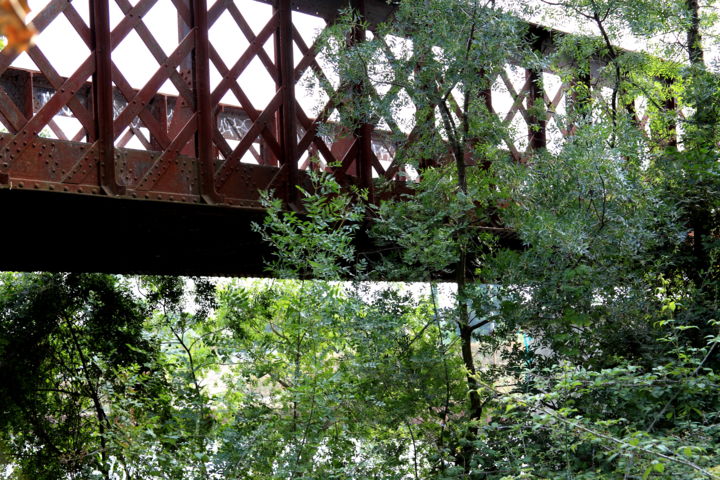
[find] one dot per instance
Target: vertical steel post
(581, 97)
(26, 93)
(203, 108)
(160, 111)
(103, 96)
(486, 93)
(183, 29)
(287, 118)
(537, 124)
(267, 155)
(183, 110)
(579, 101)
(670, 109)
(364, 132)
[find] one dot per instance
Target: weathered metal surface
(72, 134)
(93, 233)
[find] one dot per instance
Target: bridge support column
(287, 114)
(201, 79)
(537, 122)
(363, 134)
(669, 136)
(102, 96)
(579, 106)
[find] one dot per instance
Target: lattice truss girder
(22, 120)
(262, 121)
(169, 126)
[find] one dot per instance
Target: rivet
(21, 184)
(51, 187)
(65, 189)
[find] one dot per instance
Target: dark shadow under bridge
(102, 172)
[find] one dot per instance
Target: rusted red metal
(363, 133)
(286, 86)
(537, 124)
(203, 140)
(103, 96)
(190, 147)
(260, 124)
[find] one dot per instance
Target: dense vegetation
(589, 352)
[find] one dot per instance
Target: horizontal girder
(109, 174)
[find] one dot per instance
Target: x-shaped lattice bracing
(138, 102)
(11, 116)
(311, 136)
(229, 82)
(65, 89)
(64, 94)
(248, 108)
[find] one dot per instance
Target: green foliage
(330, 379)
(65, 338)
(316, 243)
(618, 226)
(581, 345)
(429, 227)
(668, 427)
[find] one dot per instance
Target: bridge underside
(103, 171)
(87, 233)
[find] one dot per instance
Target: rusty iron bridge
(101, 173)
